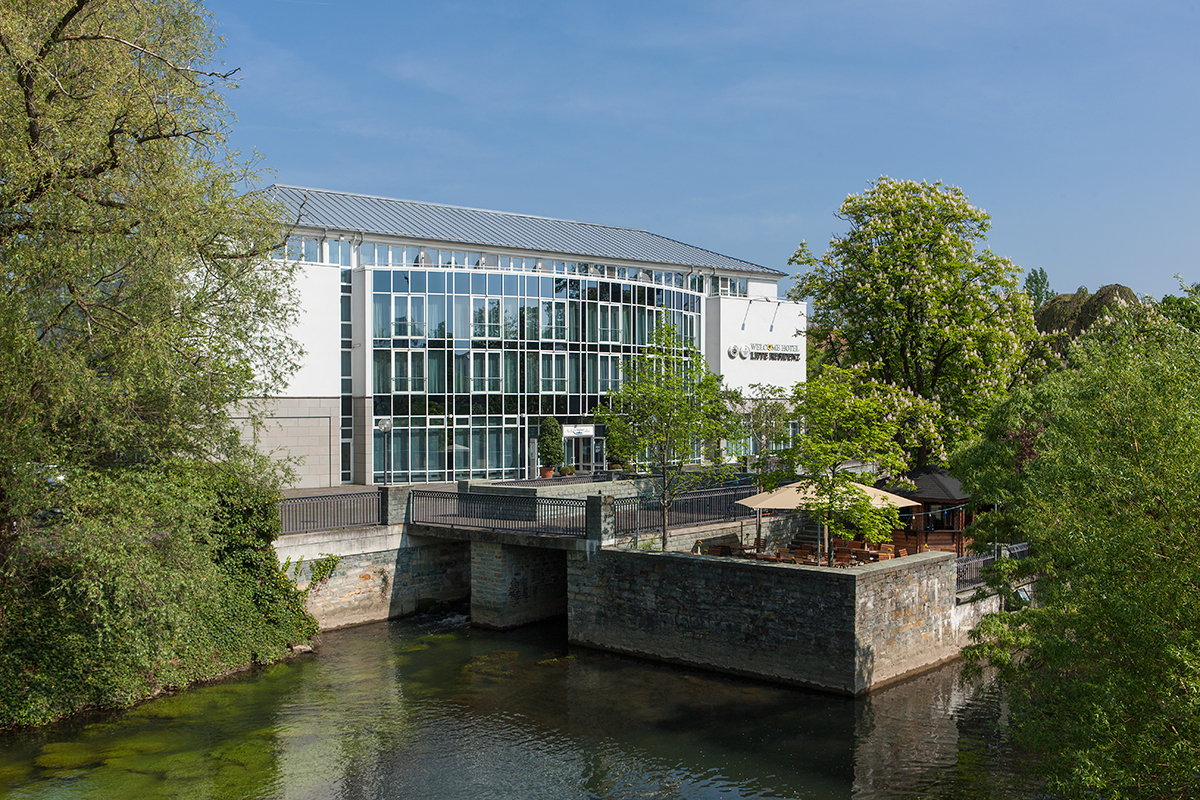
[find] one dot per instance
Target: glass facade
(469, 350)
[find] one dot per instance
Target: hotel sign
(757, 351)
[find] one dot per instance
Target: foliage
(550, 442)
(1097, 466)
(321, 569)
(153, 577)
(138, 301)
(1037, 286)
(1066, 316)
(845, 421)
(669, 406)
(763, 413)
(1183, 310)
(907, 296)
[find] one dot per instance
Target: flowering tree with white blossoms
(906, 295)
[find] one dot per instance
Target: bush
(550, 443)
(152, 578)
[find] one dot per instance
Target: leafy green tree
(1037, 286)
(138, 303)
(843, 423)
(765, 421)
(550, 442)
(139, 300)
(1183, 310)
(1098, 467)
(907, 295)
(668, 408)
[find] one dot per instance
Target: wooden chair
(842, 557)
(759, 544)
(805, 555)
(862, 556)
(785, 554)
(901, 553)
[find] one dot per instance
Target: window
(339, 252)
(383, 313)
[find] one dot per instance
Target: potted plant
(550, 445)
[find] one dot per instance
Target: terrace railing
(586, 477)
(971, 568)
(636, 514)
(479, 511)
(330, 511)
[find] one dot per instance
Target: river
(428, 707)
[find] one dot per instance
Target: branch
(100, 37)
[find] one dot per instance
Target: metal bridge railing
(541, 515)
(636, 514)
(330, 511)
(971, 568)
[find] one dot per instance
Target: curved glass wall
(469, 348)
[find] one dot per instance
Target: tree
(669, 407)
(765, 421)
(138, 297)
(1097, 467)
(907, 296)
(137, 303)
(550, 442)
(1037, 286)
(846, 424)
(1183, 310)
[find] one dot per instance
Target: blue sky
(741, 126)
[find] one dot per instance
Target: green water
(430, 708)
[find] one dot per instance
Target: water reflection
(429, 707)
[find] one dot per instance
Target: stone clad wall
(513, 585)
(791, 623)
(841, 630)
(371, 583)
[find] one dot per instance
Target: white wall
(319, 332)
(764, 333)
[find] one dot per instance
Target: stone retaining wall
(840, 630)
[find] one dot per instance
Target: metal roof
(475, 227)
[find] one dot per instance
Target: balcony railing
(971, 568)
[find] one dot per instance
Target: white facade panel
(317, 330)
(755, 340)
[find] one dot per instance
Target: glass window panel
(400, 281)
(462, 371)
(493, 384)
(493, 317)
(380, 452)
(560, 373)
(478, 384)
(460, 258)
(437, 450)
(592, 386)
(510, 285)
(401, 307)
(382, 304)
(462, 450)
(417, 374)
(512, 447)
(462, 316)
(366, 255)
(479, 283)
(346, 362)
(511, 383)
(547, 287)
(399, 454)
(573, 384)
(547, 373)
(560, 320)
(574, 333)
(531, 373)
(381, 280)
(382, 383)
(437, 282)
(547, 319)
(494, 283)
(417, 281)
(462, 282)
(510, 325)
(593, 313)
(416, 316)
(479, 326)
(312, 250)
(531, 320)
(401, 372)
(417, 446)
(604, 384)
(479, 448)
(437, 316)
(437, 371)
(494, 448)
(397, 252)
(345, 308)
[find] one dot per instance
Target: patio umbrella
(797, 495)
